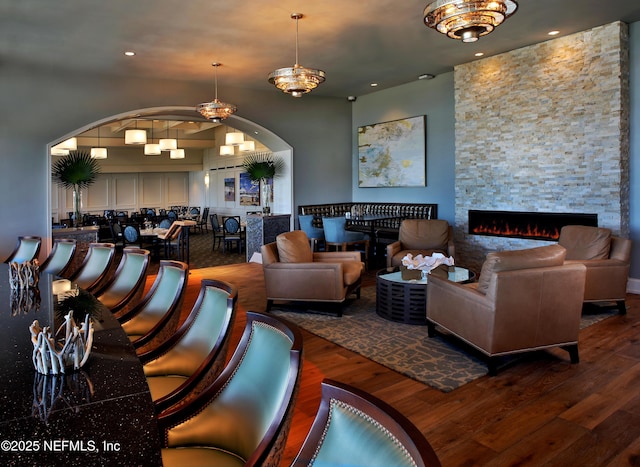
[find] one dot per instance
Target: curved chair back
(315, 234)
(156, 316)
(182, 366)
(128, 280)
(165, 224)
(172, 215)
(59, 260)
(244, 416)
(335, 231)
(27, 249)
(95, 266)
(231, 224)
(355, 428)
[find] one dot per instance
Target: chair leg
(431, 329)
(622, 307)
(573, 352)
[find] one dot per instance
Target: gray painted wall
(433, 98)
(39, 105)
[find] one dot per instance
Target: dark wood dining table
(101, 414)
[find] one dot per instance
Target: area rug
(439, 362)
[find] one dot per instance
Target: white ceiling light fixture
(58, 151)
(467, 20)
(296, 80)
(168, 144)
(248, 146)
(227, 150)
(99, 152)
(135, 137)
(70, 144)
(152, 149)
(215, 110)
(234, 139)
(176, 154)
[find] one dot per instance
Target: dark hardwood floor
(541, 411)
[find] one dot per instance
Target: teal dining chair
(59, 260)
(155, 318)
(243, 418)
(95, 266)
(315, 234)
(337, 236)
(182, 366)
(127, 282)
(27, 249)
(354, 428)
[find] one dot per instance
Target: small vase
(77, 208)
(266, 196)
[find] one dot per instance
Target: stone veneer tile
(544, 128)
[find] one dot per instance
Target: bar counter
(101, 414)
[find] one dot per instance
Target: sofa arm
(305, 281)
(392, 250)
(336, 256)
(461, 310)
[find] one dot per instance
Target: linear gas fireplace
(529, 225)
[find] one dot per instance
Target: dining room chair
(59, 260)
(95, 266)
(172, 240)
(182, 366)
(216, 228)
(127, 283)
(232, 233)
(354, 428)
(133, 237)
(165, 224)
(203, 222)
(172, 215)
(315, 234)
(337, 236)
(155, 318)
(115, 229)
(27, 249)
(244, 416)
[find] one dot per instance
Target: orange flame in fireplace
(525, 231)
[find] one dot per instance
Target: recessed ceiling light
(479, 54)
(373, 85)
(426, 76)
(553, 33)
(129, 53)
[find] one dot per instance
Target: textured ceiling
(354, 42)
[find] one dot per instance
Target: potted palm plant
(261, 169)
(75, 171)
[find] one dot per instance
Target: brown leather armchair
(293, 272)
(607, 259)
(525, 300)
(421, 237)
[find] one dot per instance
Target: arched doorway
(280, 148)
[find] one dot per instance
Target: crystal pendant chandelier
(296, 80)
(215, 110)
(467, 20)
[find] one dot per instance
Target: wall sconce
(206, 179)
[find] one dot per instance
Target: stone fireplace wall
(544, 128)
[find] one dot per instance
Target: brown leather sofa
(421, 236)
(524, 300)
(293, 272)
(607, 259)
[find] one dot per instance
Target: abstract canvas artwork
(392, 154)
